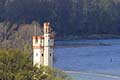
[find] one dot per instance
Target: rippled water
(94, 59)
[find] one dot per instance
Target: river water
(90, 59)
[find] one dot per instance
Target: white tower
(43, 47)
(37, 50)
(47, 52)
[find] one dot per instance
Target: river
(90, 59)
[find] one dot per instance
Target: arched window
(42, 55)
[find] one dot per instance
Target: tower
(48, 53)
(37, 49)
(43, 47)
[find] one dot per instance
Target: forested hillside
(68, 17)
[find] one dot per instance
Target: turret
(36, 50)
(47, 53)
(43, 47)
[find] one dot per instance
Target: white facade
(36, 51)
(37, 57)
(43, 48)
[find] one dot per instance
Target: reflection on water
(98, 59)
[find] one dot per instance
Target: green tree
(16, 65)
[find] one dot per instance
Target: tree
(16, 65)
(68, 17)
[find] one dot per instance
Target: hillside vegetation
(68, 17)
(16, 65)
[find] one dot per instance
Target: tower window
(50, 54)
(46, 30)
(36, 54)
(36, 39)
(42, 55)
(41, 41)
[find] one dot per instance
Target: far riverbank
(94, 36)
